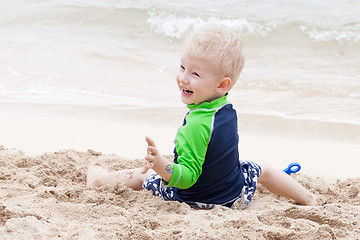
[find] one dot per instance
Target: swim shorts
(251, 171)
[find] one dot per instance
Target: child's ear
(224, 85)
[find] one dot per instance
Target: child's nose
(183, 78)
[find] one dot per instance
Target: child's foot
(315, 201)
(94, 176)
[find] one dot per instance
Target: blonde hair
(220, 45)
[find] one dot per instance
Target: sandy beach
(44, 197)
(43, 193)
(83, 82)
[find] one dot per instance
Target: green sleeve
(191, 146)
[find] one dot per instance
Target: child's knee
(137, 179)
(265, 167)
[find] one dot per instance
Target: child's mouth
(187, 91)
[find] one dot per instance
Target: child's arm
(157, 162)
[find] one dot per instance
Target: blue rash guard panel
(207, 167)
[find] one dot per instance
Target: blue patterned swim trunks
(251, 171)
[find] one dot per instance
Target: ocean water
(302, 57)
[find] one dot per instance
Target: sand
(44, 197)
(43, 193)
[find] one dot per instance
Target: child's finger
(145, 168)
(150, 142)
(152, 151)
(150, 158)
(146, 165)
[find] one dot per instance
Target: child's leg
(132, 178)
(278, 182)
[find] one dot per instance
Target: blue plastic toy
(292, 168)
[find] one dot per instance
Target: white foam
(341, 36)
(175, 26)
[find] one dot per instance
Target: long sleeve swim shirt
(206, 156)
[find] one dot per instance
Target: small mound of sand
(44, 197)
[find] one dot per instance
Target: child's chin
(186, 100)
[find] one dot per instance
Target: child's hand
(161, 165)
(146, 167)
(152, 154)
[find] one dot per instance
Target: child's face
(197, 80)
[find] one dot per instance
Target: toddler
(206, 170)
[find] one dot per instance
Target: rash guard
(207, 167)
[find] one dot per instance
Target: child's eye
(182, 67)
(196, 74)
